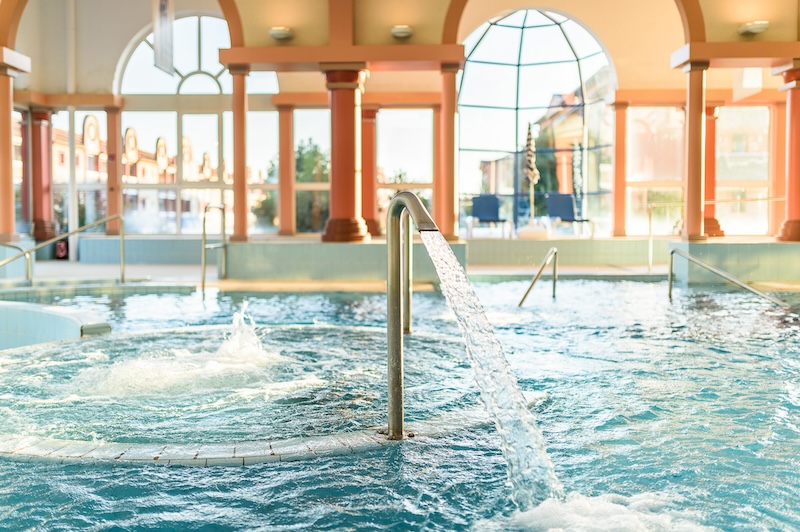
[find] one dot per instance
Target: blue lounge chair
(561, 209)
(486, 210)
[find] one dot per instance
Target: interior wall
(307, 18)
(723, 18)
(374, 20)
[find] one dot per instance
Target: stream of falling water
(530, 470)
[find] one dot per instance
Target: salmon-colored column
(286, 172)
(345, 223)
(777, 166)
(710, 222)
(620, 167)
(43, 228)
(790, 229)
(694, 174)
(113, 167)
(7, 215)
(369, 171)
(240, 207)
(445, 212)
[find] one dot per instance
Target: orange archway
(694, 28)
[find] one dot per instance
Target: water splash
(240, 357)
(530, 470)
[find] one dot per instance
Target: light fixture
(749, 29)
(402, 31)
(281, 33)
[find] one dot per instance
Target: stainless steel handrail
(398, 290)
(28, 260)
(53, 240)
(552, 255)
(725, 275)
(651, 206)
(224, 265)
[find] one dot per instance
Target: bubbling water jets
(530, 470)
(239, 359)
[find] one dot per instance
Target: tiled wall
(334, 261)
(105, 250)
(764, 261)
(28, 323)
(574, 252)
(17, 267)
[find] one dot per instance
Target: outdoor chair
(486, 210)
(561, 209)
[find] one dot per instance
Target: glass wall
(404, 156)
(179, 137)
(654, 169)
(743, 170)
(20, 171)
(312, 148)
(535, 93)
(91, 173)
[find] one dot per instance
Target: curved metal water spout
(398, 293)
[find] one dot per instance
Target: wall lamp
(402, 31)
(281, 33)
(749, 29)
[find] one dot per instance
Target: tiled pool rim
(23, 448)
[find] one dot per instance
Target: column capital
(691, 66)
(41, 114)
(239, 70)
(712, 112)
(343, 79)
(450, 68)
(369, 113)
(790, 74)
(620, 106)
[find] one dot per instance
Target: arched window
(542, 72)
(178, 129)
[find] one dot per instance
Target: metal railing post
(552, 255)
(725, 275)
(204, 246)
(398, 288)
(55, 239)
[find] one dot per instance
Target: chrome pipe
(552, 255)
(398, 289)
(725, 275)
(204, 247)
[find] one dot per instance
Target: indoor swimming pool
(657, 415)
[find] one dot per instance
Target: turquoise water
(659, 415)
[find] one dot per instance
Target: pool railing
(398, 294)
(552, 255)
(725, 275)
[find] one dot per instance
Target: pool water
(659, 415)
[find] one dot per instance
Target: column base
(373, 227)
(346, 230)
(694, 238)
(790, 231)
(286, 232)
(712, 227)
(8, 238)
(238, 238)
(43, 230)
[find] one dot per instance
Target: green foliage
(265, 210)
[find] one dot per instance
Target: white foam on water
(650, 512)
(241, 353)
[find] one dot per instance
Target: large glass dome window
(541, 72)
